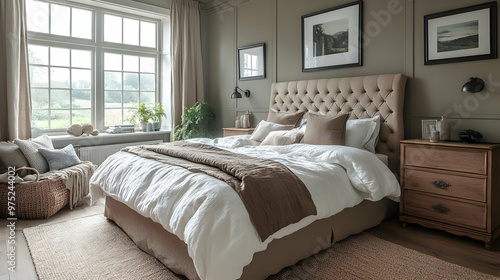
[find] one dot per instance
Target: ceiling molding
(212, 6)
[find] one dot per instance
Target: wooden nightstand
(231, 131)
(452, 186)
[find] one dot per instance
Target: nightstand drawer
(445, 210)
(461, 160)
(473, 188)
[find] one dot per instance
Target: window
(250, 65)
(128, 79)
(89, 64)
(61, 86)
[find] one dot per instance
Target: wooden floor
(459, 250)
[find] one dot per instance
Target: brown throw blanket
(273, 196)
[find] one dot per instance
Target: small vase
(434, 138)
(237, 123)
(247, 114)
(149, 127)
(144, 126)
(156, 126)
(244, 122)
(443, 126)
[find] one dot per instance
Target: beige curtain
(15, 96)
(185, 49)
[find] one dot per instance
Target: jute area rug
(95, 248)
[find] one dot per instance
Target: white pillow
(281, 138)
(372, 143)
(359, 132)
(30, 151)
(264, 128)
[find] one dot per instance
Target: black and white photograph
(458, 36)
(463, 34)
(332, 38)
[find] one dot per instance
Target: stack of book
(120, 128)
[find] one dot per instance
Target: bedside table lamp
(237, 94)
(473, 85)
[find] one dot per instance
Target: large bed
(222, 244)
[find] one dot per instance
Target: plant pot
(144, 126)
(156, 126)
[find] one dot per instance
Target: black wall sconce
(237, 94)
(473, 85)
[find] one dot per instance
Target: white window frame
(122, 8)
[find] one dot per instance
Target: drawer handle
(441, 208)
(441, 184)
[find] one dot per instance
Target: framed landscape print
(332, 38)
(459, 35)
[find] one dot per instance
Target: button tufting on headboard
(362, 97)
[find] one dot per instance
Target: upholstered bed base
(152, 238)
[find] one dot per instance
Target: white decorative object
(443, 126)
(87, 129)
(243, 120)
(75, 130)
(247, 119)
(237, 123)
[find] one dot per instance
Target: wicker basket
(35, 200)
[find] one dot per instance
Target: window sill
(60, 141)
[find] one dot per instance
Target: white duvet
(208, 215)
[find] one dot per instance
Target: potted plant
(158, 113)
(140, 114)
(196, 123)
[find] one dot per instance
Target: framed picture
(332, 38)
(459, 35)
(427, 127)
(252, 62)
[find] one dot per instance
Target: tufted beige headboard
(362, 97)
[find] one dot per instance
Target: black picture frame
(477, 26)
(252, 62)
(346, 54)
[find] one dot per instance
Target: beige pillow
(325, 130)
(30, 151)
(11, 155)
(285, 118)
(280, 138)
(264, 128)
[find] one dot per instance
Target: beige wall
(393, 43)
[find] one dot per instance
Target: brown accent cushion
(285, 118)
(11, 155)
(325, 130)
